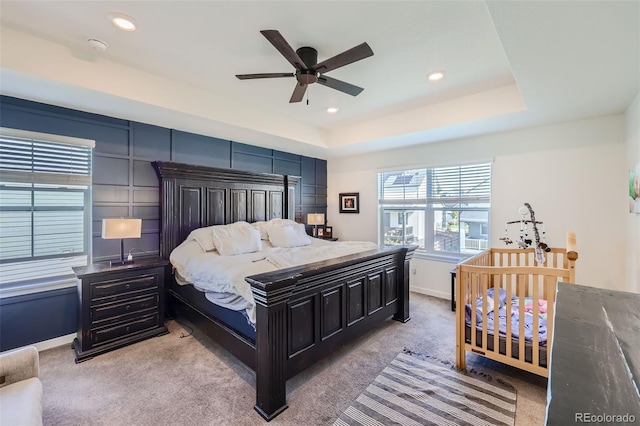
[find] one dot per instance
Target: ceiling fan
(308, 70)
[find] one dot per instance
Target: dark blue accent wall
(37, 317)
(125, 184)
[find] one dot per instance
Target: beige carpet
(169, 380)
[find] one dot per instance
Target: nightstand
(119, 305)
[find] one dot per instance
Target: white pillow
(203, 237)
(288, 236)
(280, 222)
(236, 238)
(262, 227)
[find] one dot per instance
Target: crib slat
(485, 284)
(509, 286)
(535, 310)
(472, 302)
(495, 280)
(521, 291)
(551, 304)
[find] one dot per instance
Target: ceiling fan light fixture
(123, 22)
(332, 110)
(435, 75)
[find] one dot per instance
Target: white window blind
(45, 202)
(461, 184)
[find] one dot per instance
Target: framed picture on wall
(350, 202)
(320, 232)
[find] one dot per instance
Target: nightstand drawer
(105, 335)
(103, 289)
(114, 310)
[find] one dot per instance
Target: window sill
(24, 289)
(439, 258)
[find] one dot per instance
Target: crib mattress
(515, 347)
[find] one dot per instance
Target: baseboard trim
(428, 292)
(53, 343)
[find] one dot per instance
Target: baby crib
(506, 289)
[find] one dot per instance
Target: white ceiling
(508, 64)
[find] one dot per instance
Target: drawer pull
(127, 286)
(127, 328)
(128, 307)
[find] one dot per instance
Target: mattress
(236, 320)
(222, 278)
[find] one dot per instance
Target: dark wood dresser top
(97, 268)
(595, 358)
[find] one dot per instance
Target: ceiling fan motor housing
(309, 56)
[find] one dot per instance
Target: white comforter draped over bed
(222, 278)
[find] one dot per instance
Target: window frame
(426, 203)
(15, 175)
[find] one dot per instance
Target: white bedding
(222, 278)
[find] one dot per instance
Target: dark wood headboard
(195, 196)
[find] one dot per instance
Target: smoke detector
(96, 44)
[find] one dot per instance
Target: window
(444, 210)
(45, 204)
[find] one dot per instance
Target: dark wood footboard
(307, 312)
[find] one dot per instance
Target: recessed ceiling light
(332, 110)
(124, 22)
(436, 75)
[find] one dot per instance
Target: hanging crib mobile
(525, 241)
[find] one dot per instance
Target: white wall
(573, 174)
(632, 121)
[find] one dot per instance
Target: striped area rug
(410, 391)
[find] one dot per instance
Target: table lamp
(315, 219)
(121, 228)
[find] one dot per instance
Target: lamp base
(121, 262)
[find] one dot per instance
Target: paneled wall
(125, 185)
(314, 186)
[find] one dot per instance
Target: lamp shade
(315, 219)
(121, 228)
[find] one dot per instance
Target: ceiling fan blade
(284, 48)
(298, 93)
(267, 75)
(340, 85)
(347, 57)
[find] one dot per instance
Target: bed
(302, 313)
(506, 289)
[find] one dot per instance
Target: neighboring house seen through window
(444, 210)
(45, 205)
